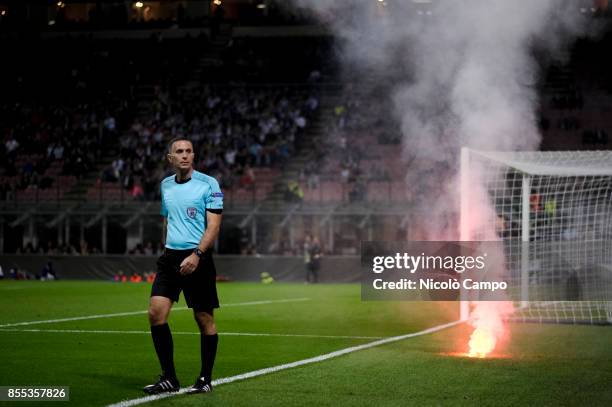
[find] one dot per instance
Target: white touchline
(123, 314)
(97, 331)
(273, 369)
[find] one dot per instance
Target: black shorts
(199, 287)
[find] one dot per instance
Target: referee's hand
(189, 264)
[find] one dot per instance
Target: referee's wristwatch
(198, 252)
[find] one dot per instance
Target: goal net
(552, 212)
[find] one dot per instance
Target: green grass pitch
(540, 365)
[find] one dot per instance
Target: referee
(191, 205)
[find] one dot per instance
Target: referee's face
(181, 157)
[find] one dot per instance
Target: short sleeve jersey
(185, 205)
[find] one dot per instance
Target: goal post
(552, 211)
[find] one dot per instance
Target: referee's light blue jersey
(185, 204)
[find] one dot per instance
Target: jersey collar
(181, 182)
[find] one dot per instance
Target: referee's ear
(170, 150)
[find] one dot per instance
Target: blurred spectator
(266, 278)
(306, 246)
(83, 248)
(315, 261)
(294, 192)
(248, 177)
(120, 277)
(148, 248)
(137, 192)
(135, 278)
(48, 272)
(11, 145)
(358, 191)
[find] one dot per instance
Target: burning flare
(482, 342)
(489, 327)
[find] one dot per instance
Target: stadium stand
(85, 122)
(272, 121)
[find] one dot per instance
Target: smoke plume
(459, 73)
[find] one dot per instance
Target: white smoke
(463, 74)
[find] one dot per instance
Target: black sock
(208, 348)
(162, 339)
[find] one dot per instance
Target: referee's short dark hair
(174, 140)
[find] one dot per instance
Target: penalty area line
(123, 314)
(274, 369)
(99, 331)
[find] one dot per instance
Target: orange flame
(482, 342)
(489, 329)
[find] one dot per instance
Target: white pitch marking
(123, 314)
(86, 331)
(274, 369)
